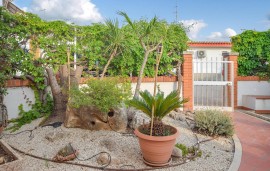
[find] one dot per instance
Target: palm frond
(127, 19)
(162, 106)
(171, 102)
(158, 101)
(151, 24)
(147, 97)
(141, 105)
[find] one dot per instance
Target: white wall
(15, 97)
(166, 87)
(252, 88)
(212, 54)
(249, 101)
(262, 104)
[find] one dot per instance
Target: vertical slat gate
(213, 84)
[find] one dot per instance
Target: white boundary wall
(15, 97)
(165, 87)
(252, 88)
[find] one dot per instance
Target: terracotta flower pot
(156, 150)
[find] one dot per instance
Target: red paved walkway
(254, 135)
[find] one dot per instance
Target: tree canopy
(254, 53)
(94, 45)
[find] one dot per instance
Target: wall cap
(233, 54)
(187, 53)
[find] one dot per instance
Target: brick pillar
(233, 57)
(188, 80)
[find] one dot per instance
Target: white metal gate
(213, 84)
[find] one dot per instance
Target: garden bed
(9, 159)
(123, 149)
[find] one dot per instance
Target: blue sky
(213, 20)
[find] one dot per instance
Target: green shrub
(189, 150)
(214, 122)
(104, 93)
(184, 149)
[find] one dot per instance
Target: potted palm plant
(156, 139)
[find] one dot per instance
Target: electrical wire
(28, 130)
(103, 152)
(188, 159)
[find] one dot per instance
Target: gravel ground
(217, 154)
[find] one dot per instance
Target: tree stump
(91, 118)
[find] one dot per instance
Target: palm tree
(147, 45)
(158, 106)
(115, 41)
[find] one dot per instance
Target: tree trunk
(59, 99)
(179, 78)
(158, 57)
(60, 93)
(108, 63)
(140, 76)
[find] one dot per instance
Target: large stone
(177, 116)
(93, 119)
(103, 159)
(177, 152)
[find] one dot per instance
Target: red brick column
(188, 80)
(233, 57)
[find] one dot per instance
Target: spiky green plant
(160, 104)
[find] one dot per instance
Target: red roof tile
(210, 44)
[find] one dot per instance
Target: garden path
(254, 135)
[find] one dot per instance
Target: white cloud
(215, 35)
(219, 36)
(229, 32)
(25, 9)
(1, 3)
(194, 27)
(79, 11)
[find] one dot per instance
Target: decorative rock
(54, 136)
(177, 152)
(192, 126)
(181, 118)
(103, 159)
(172, 114)
(66, 153)
(177, 116)
(131, 117)
(189, 114)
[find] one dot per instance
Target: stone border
(237, 154)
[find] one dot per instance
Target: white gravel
(217, 154)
